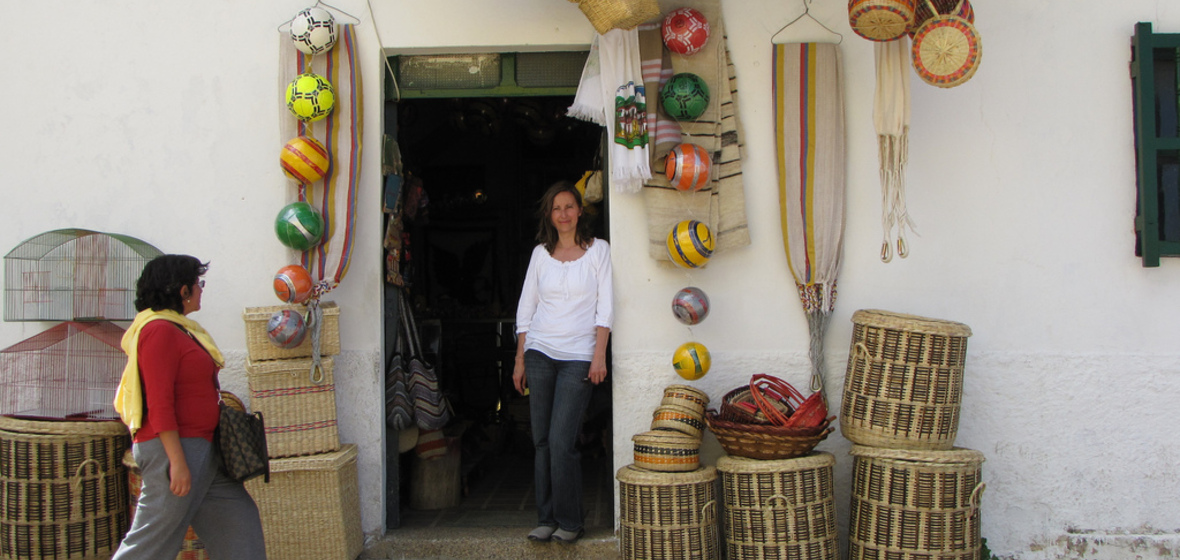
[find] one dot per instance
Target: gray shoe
(541, 534)
(568, 537)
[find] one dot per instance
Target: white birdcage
(70, 371)
(74, 275)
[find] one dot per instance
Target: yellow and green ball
(310, 97)
(691, 360)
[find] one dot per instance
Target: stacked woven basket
(914, 495)
(778, 493)
(946, 46)
(311, 507)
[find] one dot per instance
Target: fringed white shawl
(891, 117)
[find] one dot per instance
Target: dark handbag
(241, 439)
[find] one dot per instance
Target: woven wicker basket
(605, 15)
(759, 441)
(259, 347)
(688, 397)
(666, 451)
(947, 50)
(678, 418)
(915, 505)
(880, 20)
(923, 11)
(668, 516)
(904, 383)
(311, 507)
(779, 509)
(300, 415)
(192, 548)
(63, 488)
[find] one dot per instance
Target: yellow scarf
(129, 396)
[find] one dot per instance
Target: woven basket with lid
(779, 509)
(915, 505)
(668, 516)
(666, 451)
(947, 48)
(688, 397)
(904, 382)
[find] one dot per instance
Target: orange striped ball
(687, 167)
(305, 160)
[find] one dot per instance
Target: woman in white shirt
(562, 324)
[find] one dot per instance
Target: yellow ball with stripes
(692, 360)
(690, 244)
(304, 159)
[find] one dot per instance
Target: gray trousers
(220, 510)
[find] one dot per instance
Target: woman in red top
(184, 482)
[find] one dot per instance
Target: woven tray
(311, 507)
(666, 451)
(259, 347)
(668, 516)
(779, 509)
(688, 397)
(63, 488)
(758, 441)
(904, 382)
(911, 505)
(880, 20)
(300, 415)
(947, 50)
(678, 418)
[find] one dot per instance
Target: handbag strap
(409, 327)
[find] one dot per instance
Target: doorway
(473, 168)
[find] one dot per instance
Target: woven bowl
(756, 441)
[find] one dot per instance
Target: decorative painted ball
(685, 97)
(313, 30)
(687, 167)
(293, 284)
(304, 159)
(692, 360)
(690, 244)
(685, 31)
(690, 305)
(299, 226)
(286, 329)
(310, 97)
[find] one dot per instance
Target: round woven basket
(65, 487)
(946, 51)
(779, 508)
(937, 492)
(688, 397)
(678, 418)
(904, 382)
(923, 11)
(668, 516)
(758, 441)
(880, 20)
(666, 451)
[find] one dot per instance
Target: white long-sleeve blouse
(563, 303)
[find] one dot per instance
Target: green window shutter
(1154, 78)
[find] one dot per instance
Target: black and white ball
(313, 30)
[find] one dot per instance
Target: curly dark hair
(159, 285)
(546, 233)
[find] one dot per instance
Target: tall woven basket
(63, 488)
(915, 505)
(297, 406)
(779, 510)
(904, 383)
(668, 516)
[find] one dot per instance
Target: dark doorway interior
(482, 164)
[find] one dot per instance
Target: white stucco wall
(160, 121)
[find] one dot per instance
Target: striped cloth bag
(432, 410)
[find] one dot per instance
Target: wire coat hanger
(325, 5)
(807, 14)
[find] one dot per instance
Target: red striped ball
(305, 160)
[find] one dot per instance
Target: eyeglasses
(200, 283)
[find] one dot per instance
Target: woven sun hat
(946, 50)
(880, 20)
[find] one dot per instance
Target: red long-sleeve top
(179, 382)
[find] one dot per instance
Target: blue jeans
(559, 392)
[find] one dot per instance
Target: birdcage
(74, 275)
(70, 371)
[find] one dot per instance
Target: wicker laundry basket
(63, 488)
(668, 516)
(775, 510)
(904, 382)
(299, 413)
(915, 505)
(259, 346)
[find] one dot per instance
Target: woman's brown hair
(546, 233)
